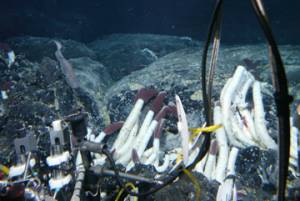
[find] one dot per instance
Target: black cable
(214, 55)
(121, 184)
(214, 28)
(282, 98)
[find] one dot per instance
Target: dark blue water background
(86, 20)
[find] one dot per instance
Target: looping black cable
(282, 98)
(214, 30)
(121, 184)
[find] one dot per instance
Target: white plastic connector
(18, 170)
(58, 159)
(15, 171)
(58, 183)
(56, 125)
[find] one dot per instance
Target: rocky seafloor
(110, 70)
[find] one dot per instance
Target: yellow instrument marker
(4, 169)
(209, 129)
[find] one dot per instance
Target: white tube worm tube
(183, 130)
(127, 147)
(201, 164)
(231, 161)
(155, 107)
(150, 160)
(129, 166)
(249, 128)
(155, 154)
(222, 159)
(294, 146)
(223, 92)
(228, 96)
(148, 152)
(238, 121)
(227, 189)
(164, 166)
(128, 125)
(193, 155)
(211, 160)
(246, 127)
(113, 127)
(241, 136)
(223, 146)
(259, 118)
(240, 98)
(145, 125)
(156, 143)
(143, 143)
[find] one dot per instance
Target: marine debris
(7, 55)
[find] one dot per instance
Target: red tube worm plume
(162, 113)
(158, 102)
(113, 127)
(172, 110)
(145, 94)
(159, 128)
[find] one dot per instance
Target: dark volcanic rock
(35, 48)
(38, 94)
(184, 189)
(35, 99)
(175, 73)
(179, 73)
(125, 53)
(92, 75)
(48, 69)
